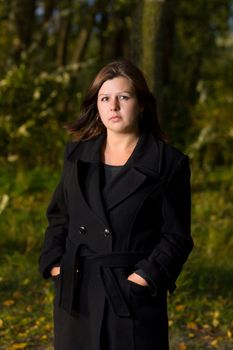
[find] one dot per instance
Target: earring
(140, 116)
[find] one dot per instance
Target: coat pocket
(146, 307)
(138, 289)
(56, 281)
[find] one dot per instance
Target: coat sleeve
(56, 232)
(165, 263)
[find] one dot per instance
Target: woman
(119, 221)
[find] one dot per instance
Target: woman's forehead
(118, 84)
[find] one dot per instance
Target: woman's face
(118, 106)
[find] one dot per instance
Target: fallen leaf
(214, 343)
(8, 302)
(17, 346)
(216, 314)
(192, 325)
(206, 326)
(182, 346)
(180, 307)
(191, 335)
(215, 322)
(17, 294)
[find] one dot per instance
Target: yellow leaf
(214, 343)
(229, 333)
(170, 322)
(180, 307)
(8, 302)
(182, 346)
(192, 325)
(17, 294)
(216, 314)
(1, 323)
(206, 326)
(29, 308)
(48, 327)
(17, 346)
(22, 334)
(191, 335)
(215, 322)
(25, 282)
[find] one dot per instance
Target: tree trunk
(48, 9)
(24, 15)
(136, 33)
(63, 35)
(83, 40)
(42, 40)
(150, 26)
(164, 55)
(114, 38)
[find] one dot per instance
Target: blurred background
(50, 51)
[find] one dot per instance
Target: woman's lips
(115, 118)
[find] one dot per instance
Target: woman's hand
(134, 277)
(55, 271)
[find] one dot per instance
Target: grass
(200, 310)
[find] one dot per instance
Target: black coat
(142, 223)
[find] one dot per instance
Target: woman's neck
(116, 142)
(118, 148)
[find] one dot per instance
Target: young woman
(119, 221)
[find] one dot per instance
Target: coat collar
(146, 157)
(86, 151)
(145, 162)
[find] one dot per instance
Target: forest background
(49, 52)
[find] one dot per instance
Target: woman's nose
(114, 104)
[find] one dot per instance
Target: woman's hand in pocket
(55, 271)
(134, 277)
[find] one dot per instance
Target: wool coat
(99, 236)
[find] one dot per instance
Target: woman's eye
(123, 97)
(105, 98)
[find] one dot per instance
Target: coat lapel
(86, 155)
(144, 163)
(88, 175)
(122, 186)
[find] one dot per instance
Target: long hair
(89, 125)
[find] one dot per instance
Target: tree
(23, 9)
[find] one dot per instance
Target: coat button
(107, 233)
(82, 230)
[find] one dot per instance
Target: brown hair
(89, 125)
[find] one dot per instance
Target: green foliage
(201, 68)
(24, 197)
(33, 110)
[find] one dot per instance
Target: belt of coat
(104, 263)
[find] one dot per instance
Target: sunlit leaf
(17, 346)
(182, 346)
(9, 302)
(180, 307)
(192, 325)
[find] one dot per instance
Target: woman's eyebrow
(117, 93)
